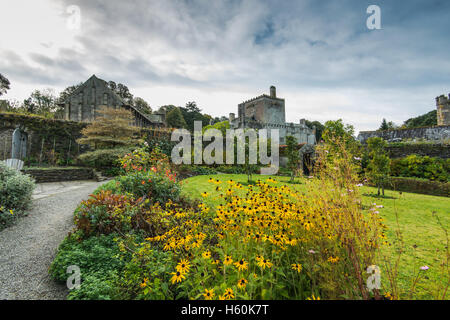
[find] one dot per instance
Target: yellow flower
(209, 294)
(177, 277)
(242, 283)
(229, 294)
(313, 298)
(297, 267)
(206, 254)
(228, 260)
(263, 263)
(205, 194)
(241, 265)
(333, 260)
(12, 212)
(183, 266)
(144, 284)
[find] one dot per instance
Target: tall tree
(110, 129)
(378, 168)
(175, 119)
(4, 85)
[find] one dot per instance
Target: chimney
(273, 92)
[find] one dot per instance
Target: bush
(104, 158)
(105, 213)
(94, 254)
(99, 261)
(422, 167)
(156, 187)
(16, 190)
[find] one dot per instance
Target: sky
(324, 60)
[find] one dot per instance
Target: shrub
(157, 187)
(16, 190)
(94, 254)
(105, 213)
(100, 261)
(104, 158)
(422, 167)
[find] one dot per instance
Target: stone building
(268, 112)
(443, 110)
(82, 104)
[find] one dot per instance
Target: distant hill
(426, 120)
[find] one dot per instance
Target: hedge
(420, 186)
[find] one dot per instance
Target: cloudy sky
(319, 54)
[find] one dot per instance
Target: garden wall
(59, 174)
(401, 150)
(48, 140)
(436, 133)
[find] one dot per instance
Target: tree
(142, 105)
(175, 119)
(378, 168)
(122, 91)
(192, 113)
(110, 129)
(4, 85)
(293, 156)
(387, 125)
(42, 102)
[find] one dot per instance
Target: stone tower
(443, 110)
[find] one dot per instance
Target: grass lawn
(423, 238)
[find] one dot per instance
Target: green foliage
(92, 255)
(386, 125)
(378, 167)
(426, 120)
(221, 126)
(16, 190)
(104, 158)
(192, 113)
(336, 132)
(292, 155)
(156, 187)
(100, 261)
(422, 167)
(175, 119)
(4, 84)
(146, 276)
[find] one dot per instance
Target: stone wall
(439, 150)
(436, 133)
(57, 175)
(47, 138)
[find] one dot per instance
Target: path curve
(28, 247)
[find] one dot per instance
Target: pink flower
(424, 268)
(311, 251)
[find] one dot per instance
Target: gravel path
(28, 248)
